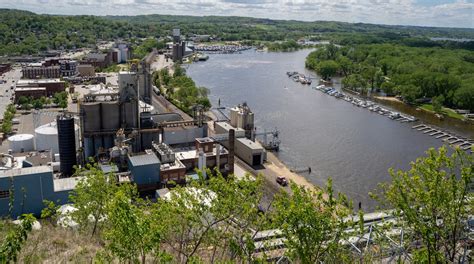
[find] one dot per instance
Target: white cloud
(445, 13)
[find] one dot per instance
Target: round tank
(110, 116)
(46, 137)
(66, 144)
(21, 142)
(92, 122)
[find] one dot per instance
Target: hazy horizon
(429, 13)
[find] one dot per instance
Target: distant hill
(23, 32)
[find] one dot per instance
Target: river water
(351, 145)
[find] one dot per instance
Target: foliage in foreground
(434, 200)
(215, 220)
(12, 244)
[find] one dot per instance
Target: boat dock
(454, 140)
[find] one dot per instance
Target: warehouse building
(28, 187)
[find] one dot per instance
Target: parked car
(282, 181)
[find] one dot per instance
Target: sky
(440, 13)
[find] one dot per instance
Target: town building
(52, 86)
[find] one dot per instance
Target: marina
(221, 49)
(369, 105)
(298, 77)
(350, 144)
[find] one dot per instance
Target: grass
(53, 244)
(445, 111)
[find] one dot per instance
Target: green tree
(90, 197)
(15, 239)
(131, 234)
(327, 69)
(433, 200)
(7, 126)
(437, 103)
(203, 215)
(312, 223)
(50, 211)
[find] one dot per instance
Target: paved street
(6, 91)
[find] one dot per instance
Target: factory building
(242, 117)
(145, 171)
(213, 155)
(183, 135)
(252, 153)
(30, 187)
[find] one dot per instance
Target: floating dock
(454, 140)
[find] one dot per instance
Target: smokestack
(231, 150)
(202, 163)
(218, 156)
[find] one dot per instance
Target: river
(351, 145)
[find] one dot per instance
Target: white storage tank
(47, 137)
(21, 143)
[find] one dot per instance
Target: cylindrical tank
(21, 142)
(67, 144)
(46, 137)
(92, 117)
(110, 116)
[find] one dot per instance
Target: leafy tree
(327, 69)
(50, 211)
(205, 214)
(433, 199)
(464, 97)
(90, 197)
(7, 126)
(15, 239)
(131, 233)
(24, 100)
(437, 103)
(312, 223)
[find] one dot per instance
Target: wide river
(351, 145)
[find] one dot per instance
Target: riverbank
(426, 108)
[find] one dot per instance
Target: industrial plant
(119, 129)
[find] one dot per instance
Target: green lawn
(444, 111)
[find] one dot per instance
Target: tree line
(416, 74)
(23, 32)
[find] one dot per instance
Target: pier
(451, 139)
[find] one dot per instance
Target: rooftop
(25, 171)
(21, 89)
(172, 166)
(249, 143)
(30, 81)
(65, 184)
(185, 154)
(144, 159)
(228, 127)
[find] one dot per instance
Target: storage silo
(67, 144)
(21, 143)
(110, 116)
(46, 137)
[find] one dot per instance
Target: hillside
(23, 32)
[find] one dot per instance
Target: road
(6, 93)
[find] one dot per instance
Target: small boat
(394, 115)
